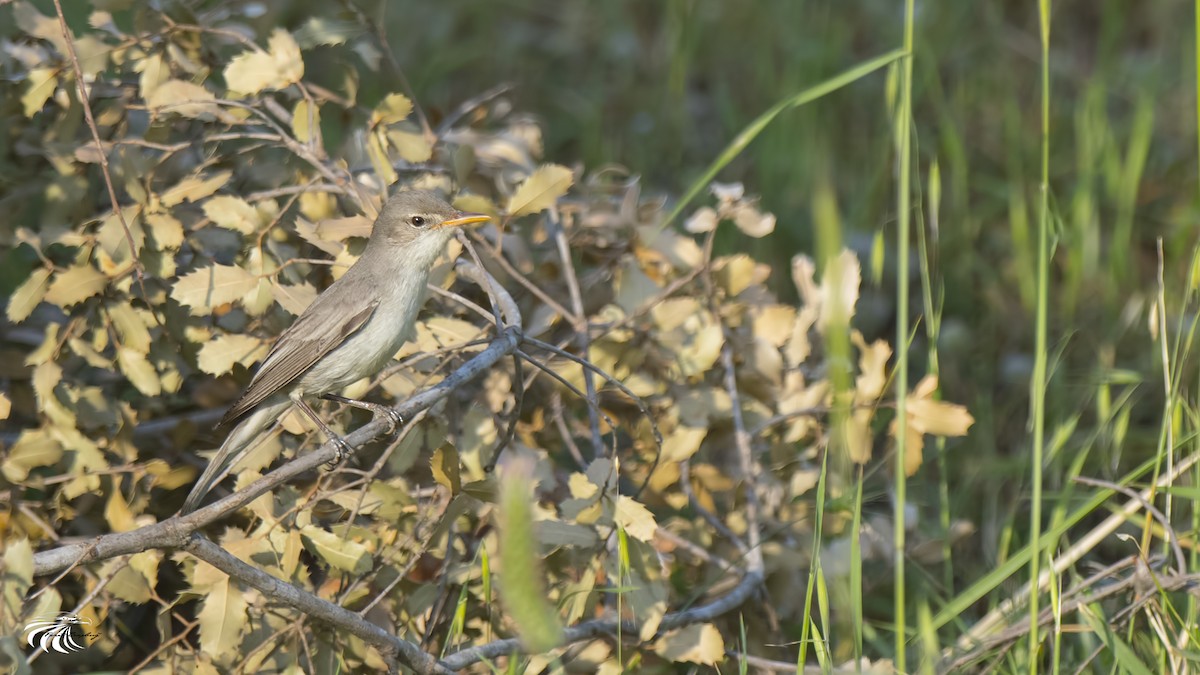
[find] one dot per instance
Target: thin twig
(91, 121)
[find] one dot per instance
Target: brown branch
(600, 628)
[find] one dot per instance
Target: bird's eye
(418, 221)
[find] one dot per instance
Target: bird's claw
(394, 418)
(341, 449)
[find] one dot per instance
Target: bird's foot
(395, 420)
(341, 449)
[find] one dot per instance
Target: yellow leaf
(683, 443)
(34, 448)
(343, 554)
(183, 98)
(393, 108)
(295, 298)
(5, 406)
(377, 152)
(253, 71)
(540, 190)
(872, 368)
(233, 213)
(581, 487)
(444, 464)
(753, 222)
(736, 273)
(939, 418)
(194, 188)
(839, 290)
(42, 83)
(412, 147)
(117, 513)
(28, 295)
(222, 619)
(633, 517)
(130, 326)
(139, 371)
(306, 118)
(697, 643)
(165, 230)
(773, 323)
(75, 285)
(212, 286)
(217, 356)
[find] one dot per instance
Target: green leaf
(540, 190)
(28, 295)
(212, 286)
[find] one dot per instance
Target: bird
(350, 331)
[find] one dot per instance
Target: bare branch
(313, 606)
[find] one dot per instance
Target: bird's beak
(461, 218)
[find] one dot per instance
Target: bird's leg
(341, 446)
(395, 420)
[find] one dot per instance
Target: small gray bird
(350, 331)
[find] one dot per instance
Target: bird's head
(417, 224)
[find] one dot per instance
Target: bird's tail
(242, 438)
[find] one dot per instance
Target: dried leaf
(212, 286)
(839, 290)
(753, 222)
(75, 285)
(28, 295)
(705, 219)
(697, 643)
(633, 517)
(543, 187)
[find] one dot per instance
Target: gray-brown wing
(296, 350)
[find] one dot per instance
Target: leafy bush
(671, 468)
